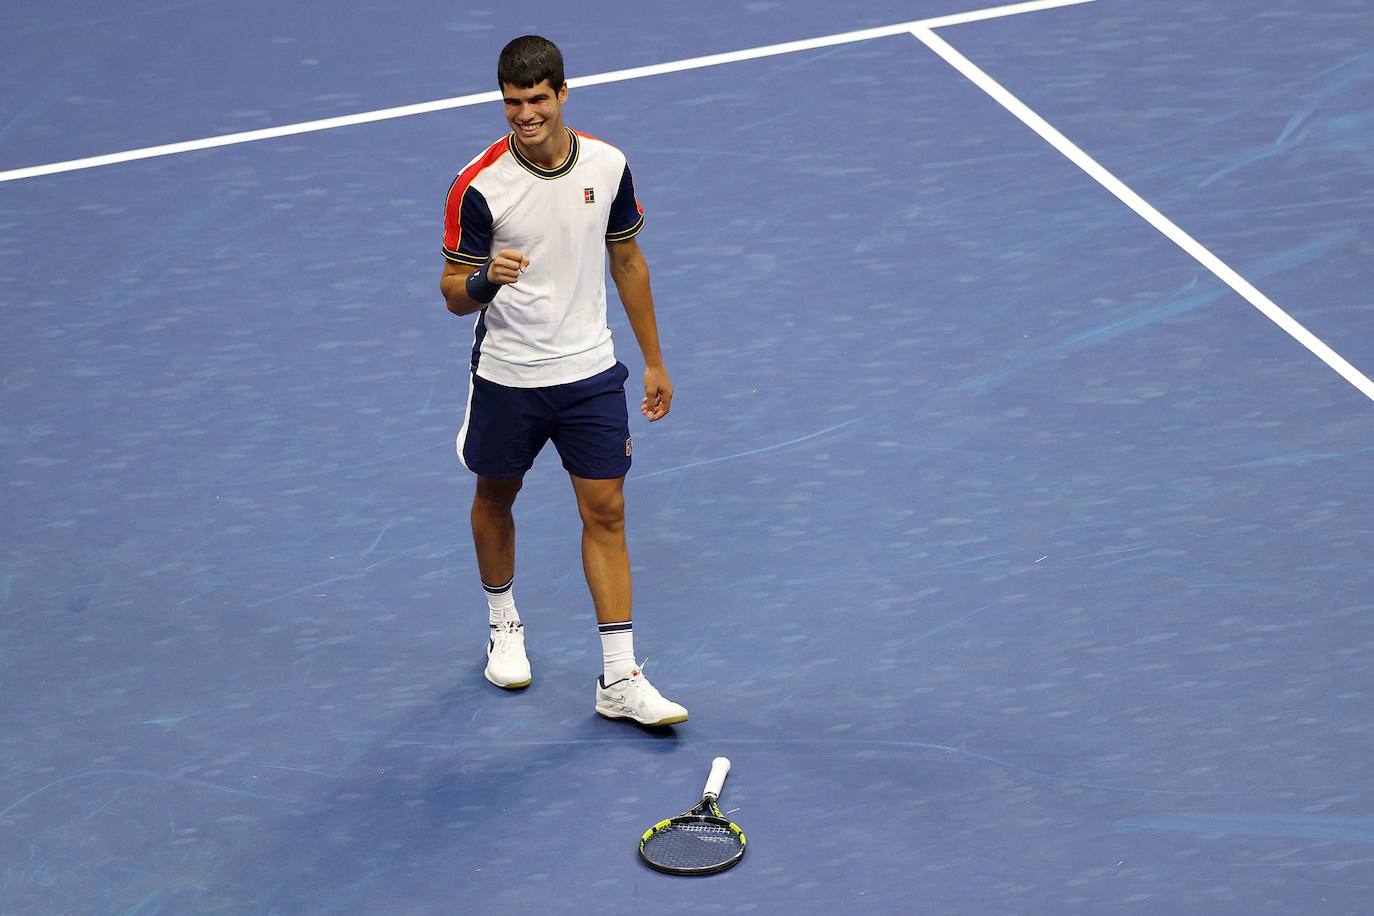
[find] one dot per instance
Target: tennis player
(528, 225)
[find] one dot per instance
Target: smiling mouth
(529, 128)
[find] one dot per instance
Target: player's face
(535, 114)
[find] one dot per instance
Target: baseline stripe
(266, 133)
(825, 41)
(1152, 216)
(463, 101)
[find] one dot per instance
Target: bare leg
(605, 557)
(493, 529)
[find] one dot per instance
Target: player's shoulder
(488, 157)
(595, 146)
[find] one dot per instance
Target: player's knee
(496, 496)
(605, 513)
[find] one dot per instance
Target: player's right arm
(469, 246)
(503, 269)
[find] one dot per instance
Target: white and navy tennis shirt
(550, 328)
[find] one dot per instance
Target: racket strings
(692, 845)
(704, 828)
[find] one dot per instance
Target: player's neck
(550, 154)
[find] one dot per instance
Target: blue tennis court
(1019, 562)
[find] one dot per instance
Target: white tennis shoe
(635, 698)
(507, 664)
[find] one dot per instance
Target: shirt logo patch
(589, 195)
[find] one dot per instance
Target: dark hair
(529, 60)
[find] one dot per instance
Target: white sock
(501, 603)
(617, 651)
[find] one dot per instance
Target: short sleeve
(467, 226)
(627, 216)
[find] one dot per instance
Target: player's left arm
(630, 272)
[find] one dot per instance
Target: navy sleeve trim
(625, 235)
(626, 216)
(462, 257)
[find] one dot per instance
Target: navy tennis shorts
(587, 421)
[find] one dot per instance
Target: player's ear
(563, 93)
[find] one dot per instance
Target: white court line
(266, 133)
(1152, 216)
(462, 101)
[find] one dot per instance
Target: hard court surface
(1019, 563)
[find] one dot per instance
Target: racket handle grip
(719, 767)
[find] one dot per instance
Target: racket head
(700, 842)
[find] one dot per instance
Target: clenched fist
(507, 266)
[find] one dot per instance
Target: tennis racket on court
(697, 842)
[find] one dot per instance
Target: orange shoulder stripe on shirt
(453, 203)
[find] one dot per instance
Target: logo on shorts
(627, 447)
(589, 195)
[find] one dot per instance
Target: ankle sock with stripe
(501, 603)
(617, 651)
